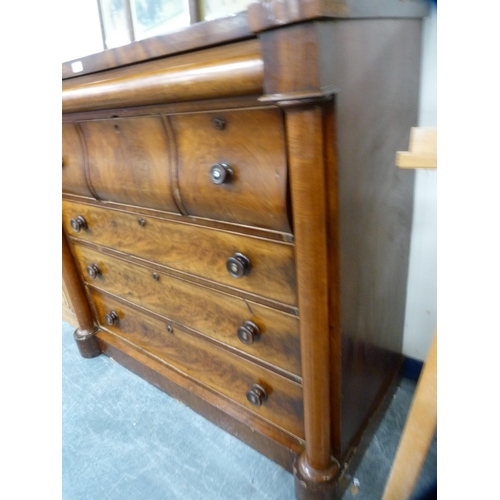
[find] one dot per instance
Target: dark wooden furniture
(234, 228)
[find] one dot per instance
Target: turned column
(85, 335)
(315, 469)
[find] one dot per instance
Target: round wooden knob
(219, 123)
(238, 265)
(256, 395)
(111, 318)
(221, 173)
(93, 271)
(248, 332)
(78, 223)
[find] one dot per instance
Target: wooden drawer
(223, 371)
(191, 249)
(214, 314)
(74, 179)
(129, 161)
(252, 144)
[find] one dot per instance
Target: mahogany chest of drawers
(234, 229)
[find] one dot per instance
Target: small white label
(77, 66)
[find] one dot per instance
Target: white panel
(421, 305)
(80, 30)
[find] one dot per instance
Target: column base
(87, 342)
(311, 484)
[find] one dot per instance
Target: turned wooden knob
(111, 318)
(256, 395)
(221, 173)
(219, 123)
(78, 223)
(238, 265)
(248, 332)
(93, 271)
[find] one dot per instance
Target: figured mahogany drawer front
(257, 330)
(223, 371)
(129, 161)
(191, 249)
(74, 179)
(232, 166)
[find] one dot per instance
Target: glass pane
(156, 17)
(114, 19)
(213, 9)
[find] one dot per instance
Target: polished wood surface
(306, 149)
(291, 62)
(214, 367)
(257, 232)
(74, 171)
(226, 71)
(195, 250)
(128, 161)
(252, 144)
(213, 314)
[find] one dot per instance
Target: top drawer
(129, 161)
(232, 166)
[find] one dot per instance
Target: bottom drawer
(216, 368)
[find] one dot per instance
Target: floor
(123, 439)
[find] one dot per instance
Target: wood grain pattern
(252, 143)
(220, 370)
(128, 161)
(266, 234)
(74, 177)
(196, 250)
(234, 70)
(307, 182)
(211, 313)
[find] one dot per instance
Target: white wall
(421, 306)
(80, 29)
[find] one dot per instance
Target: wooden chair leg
(417, 433)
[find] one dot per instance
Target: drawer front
(214, 314)
(74, 179)
(222, 371)
(129, 161)
(191, 249)
(252, 144)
